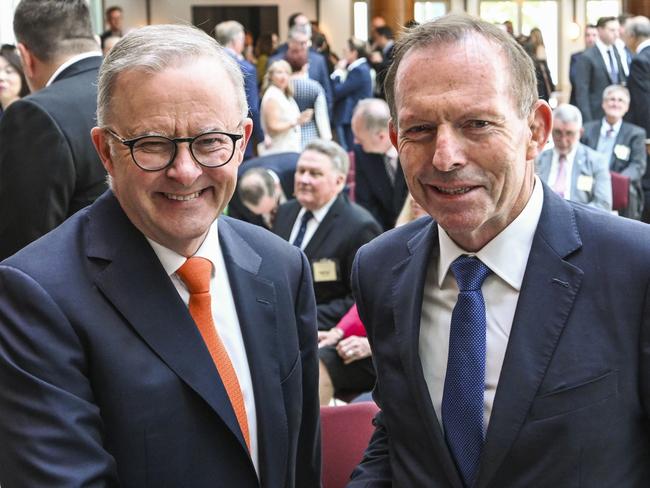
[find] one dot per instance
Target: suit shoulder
(394, 243)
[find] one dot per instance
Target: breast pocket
(572, 398)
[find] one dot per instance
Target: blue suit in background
(253, 98)
(347, 93)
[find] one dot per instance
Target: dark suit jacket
(572, 75)
(591, 79)
(639, 85)
(373, 190)
(633, 166)
(253, 98)
(103, 369)
(48, 166)
(317, 71)
(357, 86)
(571, 407)
(345, 228)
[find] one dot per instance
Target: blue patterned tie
(462, 400)
(306, 217)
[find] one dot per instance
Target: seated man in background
(574, 171)
(622, 144)
(149, 340)
(326, 226)
(380, 185)
(260, 191)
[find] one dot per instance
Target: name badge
(585, 183)
(324, 270)
(622, 152)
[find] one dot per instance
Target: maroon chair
(620, 191)
(345, 432)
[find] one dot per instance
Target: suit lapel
(135, 282)
(409, 275)
(551, 284)
(255, 301)
(325, 226)
(286, 218)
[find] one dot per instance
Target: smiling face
(280, 76)
(615, 105)
(466, 153)
(175, 206)
(316, 181)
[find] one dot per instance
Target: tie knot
(306, 217)
(195, 273)
(470, 272)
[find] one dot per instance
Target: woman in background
(13, 84)
(281, 118)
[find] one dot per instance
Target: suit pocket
(574, 398)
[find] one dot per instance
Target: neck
(6, 101)
(611, 120)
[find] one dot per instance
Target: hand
(305, 116)
(329, 337)
(353, 348)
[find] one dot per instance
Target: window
(602, 8)
(360, 17)
(424, 11)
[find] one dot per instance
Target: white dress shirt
(224, 316)
(312, 225)
(568, 171)
(506, 255)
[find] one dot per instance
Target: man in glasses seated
(150, 341)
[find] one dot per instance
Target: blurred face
(115, 20)
(239, 42)
(565, 136)
(316, 181)
(280, 77)
(10, 83)
(467, 155)
(615, 105)
(609, 32)
(370, 141)
(591, 34)
(174, 206)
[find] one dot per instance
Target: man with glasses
(575, 171)
(150, 341)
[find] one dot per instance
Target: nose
(184, 169)
(448, 154)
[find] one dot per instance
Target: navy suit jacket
(357, 86)
(634, 166)
(571, 407)
(253, 98)
(106, 380)
(591, 79)
(639, 85)
(49, 168)
(373, 190)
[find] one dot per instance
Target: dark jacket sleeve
(582, 86)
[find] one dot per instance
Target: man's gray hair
(153, 49)
(568, 114)
(638, 27)
(453, 29)
(616, 88)
(336, 154)
(54, 28)
(374, 113)
(226, 31)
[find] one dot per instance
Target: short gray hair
(638, 27)
(153, 49)
(454, 28)
(567, 113)
(616, 88)
(336, 154)
(226, 31)
(254, 184)
(374, 113)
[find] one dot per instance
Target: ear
(540, 123)
(27, 60)
(247, 125)
(100, 141)
(392, 133)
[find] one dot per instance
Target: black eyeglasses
(154, 153)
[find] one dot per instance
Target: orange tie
(195, 273)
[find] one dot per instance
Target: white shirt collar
(570, 156)
(319, 214)
(604, 126)
(355, 63)
(209, 249)
(602, 47)
(507, 254)
(642, 46)
(70, 62)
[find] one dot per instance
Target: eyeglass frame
(130, 143)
